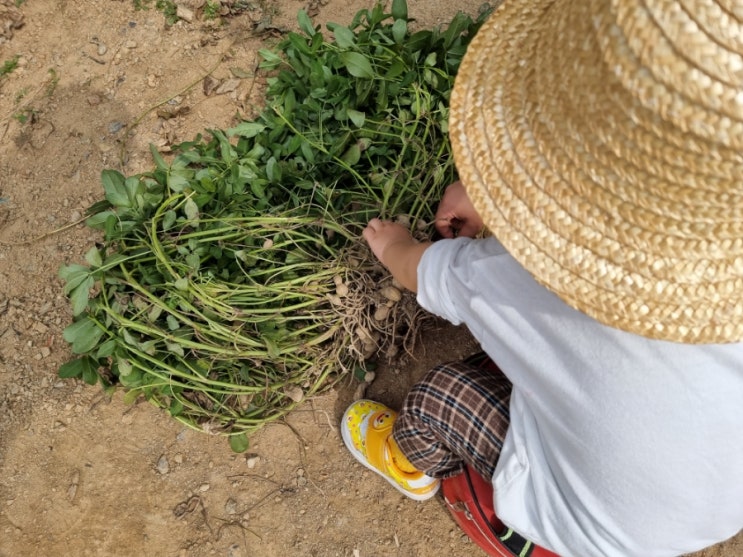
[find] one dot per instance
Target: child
(600, 142)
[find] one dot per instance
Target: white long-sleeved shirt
(618, 445)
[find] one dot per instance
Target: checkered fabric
(457, 414)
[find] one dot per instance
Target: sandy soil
(81, 474)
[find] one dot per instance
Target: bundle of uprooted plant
(232, 281)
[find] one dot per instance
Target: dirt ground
(84, 475)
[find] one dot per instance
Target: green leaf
(135, 189)
(99, 220)
(418, 41)
(257, 189)
(357, 64)
(93, 257)
(193, 261)
(115, 188)
(83, 335)
(272, 170)
(290, 101)
(177, 182)
(157, 157)
(271, 347)
(73, 368)
(130, 397)
(181, 284)
(239, 443)
(176, 407)
(356, 117)
(149, 347)
(246, 129)
(175, 348)
(352, 155)
(400, 9)
(155, 313)
(125, 367)
(399, 30)
(85, 368)
(169, 219)
(191, 210)
(106, 349)
(307, 152)
(271, 59)
(344, 37)
(80, 296)
(227, 150)
(90, 375)
(305, 23)
(377, 15)
(73, 275)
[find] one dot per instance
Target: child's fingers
(448, 226)
(371, 229)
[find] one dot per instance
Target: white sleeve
(444, 271)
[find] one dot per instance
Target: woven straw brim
(601, 142)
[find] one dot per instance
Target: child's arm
(397, 250)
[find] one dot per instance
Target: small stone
(102, 49)
(75, 216)
(230, 507)
(152, 80)
(252, 461)
(178, 458)
(184, 13)
(163, 466)
(204, 487)
(130, 44)
(45, 352)
(72, 491)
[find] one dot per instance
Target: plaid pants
(457, 414)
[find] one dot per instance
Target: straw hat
(602, 142)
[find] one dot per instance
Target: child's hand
(397, 250)
(456, 216)
(380, 234)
